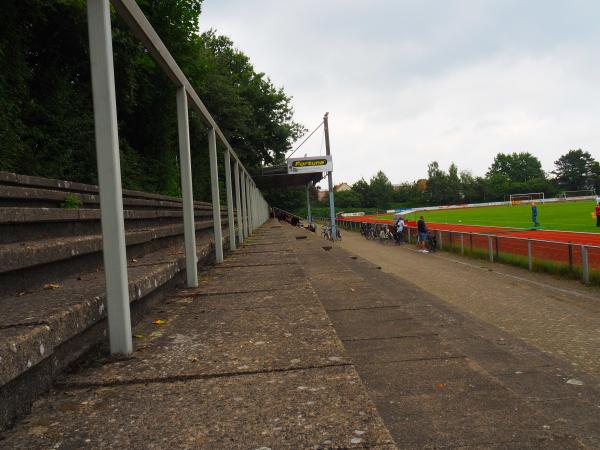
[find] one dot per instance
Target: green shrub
(72, 201)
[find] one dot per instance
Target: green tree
(517, 167)
(362, 188)
(381, 191)
(46, 115)
(348, 199)
(575, 170)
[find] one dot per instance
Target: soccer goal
(517, 199)
(581, 194)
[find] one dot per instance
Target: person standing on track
(598, 214)
(422, 235)
(534, 213)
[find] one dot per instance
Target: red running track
(546, 244)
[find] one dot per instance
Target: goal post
(581, 194)
(517, 199)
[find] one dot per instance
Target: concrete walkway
(558, 316)
(440, 376)
(249, 360)
(267, 353)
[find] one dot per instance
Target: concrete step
(28, 254)
(27, 181)
(45, 330)
(24, 215)
(20, 224)
(25, 190)
(52, 288)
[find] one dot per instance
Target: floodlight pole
(330, 179)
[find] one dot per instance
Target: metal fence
(251, 208)
(562, 258)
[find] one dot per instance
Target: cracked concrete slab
(325, 408)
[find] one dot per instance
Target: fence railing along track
(562, 258)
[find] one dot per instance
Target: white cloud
(409, 82)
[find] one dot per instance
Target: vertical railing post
(189, 227)
(462, 243)
(250, 205)
(309, 218)
(229, 192)
(254, 206)
(109, 177)
(216, 201)
(238, 202)
(497, 248)
(440, 239)
(585, 269)
(491, 248)
(529, 255)
(570, 257)
(244, 205)
(408, 229)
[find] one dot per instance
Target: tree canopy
(577, 169)
(517, 167)
(46, 116)
(508, 174)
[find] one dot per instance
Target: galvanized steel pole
(189, 228)
(249, 205)
(109, 177)
(216, 202)
(229, 189)
(585, 268)
(309, 218)
(244, 206)
(238, 204)
(330, 179)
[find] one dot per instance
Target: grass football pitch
(565, 216)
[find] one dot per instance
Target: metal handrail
(286, 212)
(475, 233)
(251, 208)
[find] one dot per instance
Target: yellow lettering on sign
(310, 163)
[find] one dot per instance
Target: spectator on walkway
(422, 235)
(534, 213)
(399, 228)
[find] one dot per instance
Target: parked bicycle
(327, 233)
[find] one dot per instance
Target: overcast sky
(409, 82)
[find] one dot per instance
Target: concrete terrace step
(231, 366)
(46, 189)
(24, 181)
(44, 330)
(23, 215)
(21, 255)
(10, 195)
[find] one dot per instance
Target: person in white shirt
(399, 229)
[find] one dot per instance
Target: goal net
(581, 194)
(517, 199)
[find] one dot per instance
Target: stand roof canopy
(278, 177)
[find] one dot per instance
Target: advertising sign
(310, 164)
